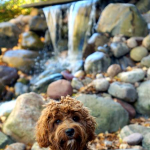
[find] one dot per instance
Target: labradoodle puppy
(65, 125)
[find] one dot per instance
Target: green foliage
(12, 8)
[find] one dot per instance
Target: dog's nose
(70, 132)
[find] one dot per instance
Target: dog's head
(65, 125)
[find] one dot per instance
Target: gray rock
(16, 146)
(36, 147)
(146, 42)
(143, 102)
(110, 116)
(31, 40)
(100, 85)
(20, 124)
(133, 139)
(146, 141)
(146, 61)
(132, 76)
(119, 49)
(38, 24)
(23, 60)
(132, 43)
(41, 85)
(96, 62)
(118, 19)
(76, 83)
(9, 35)
(124, 91)
(138, 53)
(4, 140)
(148, 73)
(134, 128)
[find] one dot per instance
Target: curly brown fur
(65, 125)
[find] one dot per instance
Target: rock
(86, 81)
(9, 35)
(133, 139)
(134, 128)
(146, 61)
(132, 76)
(146, 42)
(110, 116)
(59, 88)
(138, 53)
(118, 38)
(48, 40)
(67, 75)
(124, 91)
(113, 70)
(100, 85)
(76, 83)
(128, 107)
(148, 73)
(146, 141)
(17, 146)
(4, 140)
(23, 60)
(26, 19)
(41, 85)
(118, 19)
(99, 76)
(142, 104)
(119, 49)
(96, 62)
(132, 43)
(31, 40)
(79, 74)
(8, 75)
(20, 124)
(95, 40)
(36, 147)
(38, 24)
(2, 90)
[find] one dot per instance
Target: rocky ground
(112, 79)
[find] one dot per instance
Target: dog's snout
(70, 132)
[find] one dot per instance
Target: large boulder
(110, 116)
(143, 102)
(97, 62)
(122, 19)
(9, 34)
(23, 60)
(20, 124)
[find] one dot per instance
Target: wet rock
(8, 32)
(146, 141)
(41, 85)
(118, 19)
(96, 62)
(59, 88)
(31, 40)
(132, 43)
(100, 85)
(138, 53)
(20, 124)
(67, 75)
(17, 146)
(4, 140)
(134, 128)
(76, 83)
(124, 91)
(37, 147)
(113, 70)
(119, 49)
(129, 108)
(146, 61)
(133, 139)
(132, 76)
(23, 60)
(146, 42)
(95, 40)
(38, 24)
(142, 104)
(8, 75)
(110, 116)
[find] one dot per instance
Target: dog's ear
(42, 130)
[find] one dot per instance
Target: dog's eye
(58, 121)
(76, 118)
